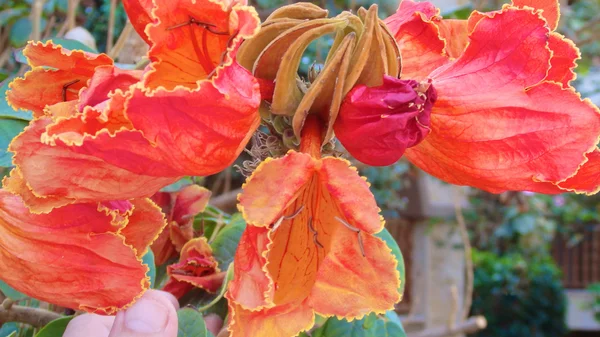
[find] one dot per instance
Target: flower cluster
(484, 102)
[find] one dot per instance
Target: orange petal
(351, 285)
(71, 257)
(69, 175)
(198, 132)
(162, 247)
(185, 52)
(144, 225)
(586, 180)
(139, 13)
(70, 71)
(419, 39)
(15, 184)
(120, 210)
(542, 134)
(501, 51)
(564, 59)
(550, 9)
(252, 287)
(286, 320)
(351, 192)
(456, 35)
(107, 80)
(190, 201)
(268, 192)
(492, 132)
(511, 140)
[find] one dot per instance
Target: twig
(127, 30)
(111, 26)
(453, 307)
(49, 27)
(464, 234)
(4, 57)
(36, 19)
(32, 316)
(70, 20)
(471, 325)
(226, 200)
(227, 186)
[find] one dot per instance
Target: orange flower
(180, 208)
(197, 268)
(124, 136)
(505, 118)
(85, 256)
(309, 245)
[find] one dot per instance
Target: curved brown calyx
(363, 51)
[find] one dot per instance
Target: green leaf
(13, 334)
(55, 328)
(148, 260)
(71, 44)
(7, 15)
(191, 323)
(227, 240)
(10, 292)
(9, 128)
(391, 242)
(228, 278)
(21, 30)
(9, 329)
(176, 186)
(370, 326)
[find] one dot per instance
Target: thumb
(153, 315)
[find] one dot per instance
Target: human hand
(153, 315)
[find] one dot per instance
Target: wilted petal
(180, 208)
(57, 75)
(72, 257)
(197, 268)
(494, 127)
(421, 46)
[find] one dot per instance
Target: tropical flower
(484, 102)
(505, 118)
(197, 268)
(102, 134)
(309, 245)
(180, 208)
(83, 256)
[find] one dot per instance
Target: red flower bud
(377, 124)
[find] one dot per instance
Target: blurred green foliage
(519, 296)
